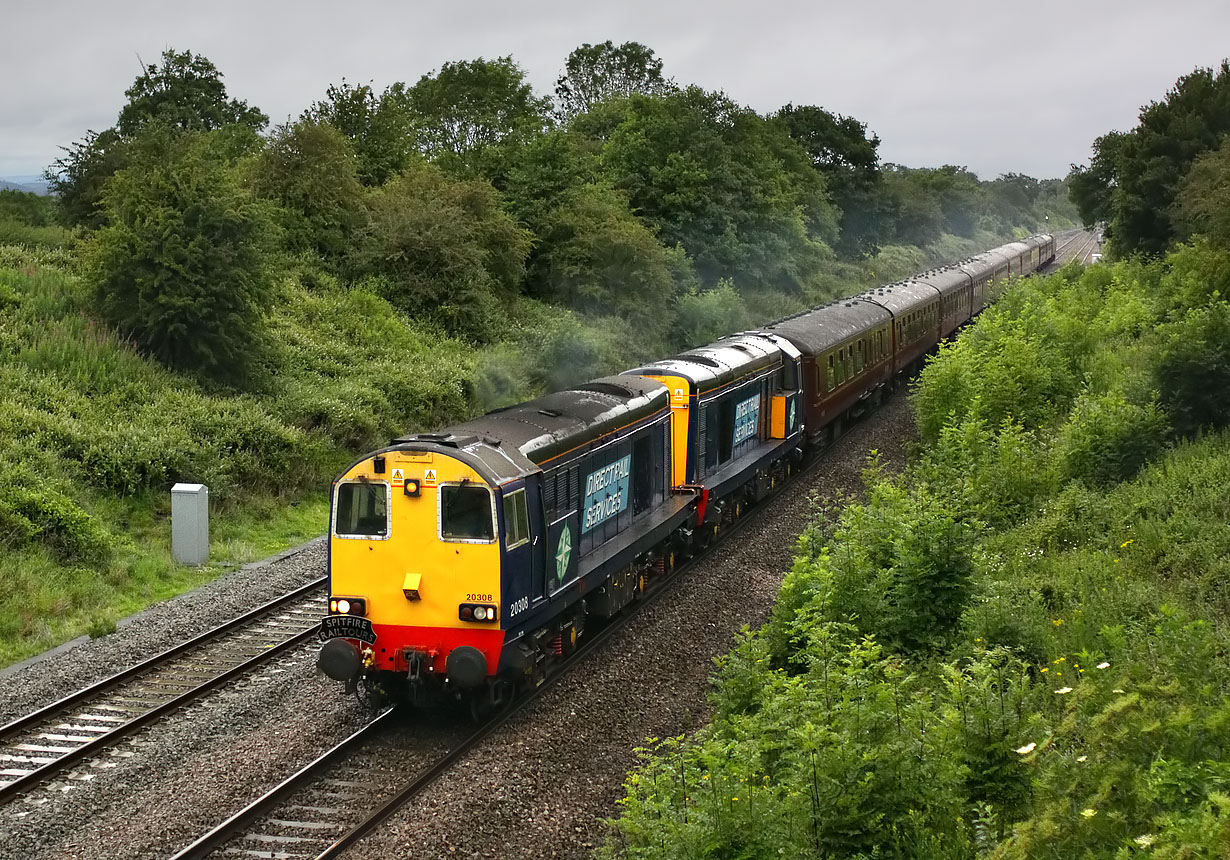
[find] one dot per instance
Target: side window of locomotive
(362, 510)
(786, 376)
(516, 520)
(465, 513)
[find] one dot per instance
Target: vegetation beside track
(1016, 648)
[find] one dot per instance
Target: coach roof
(818, 330)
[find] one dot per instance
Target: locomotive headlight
(476, 612)
(347, 606)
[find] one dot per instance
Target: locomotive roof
(712, 366)
(817, 330)
(901, 297)
(515, 440)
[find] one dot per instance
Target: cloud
(997, 88)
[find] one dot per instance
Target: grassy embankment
(1018, 648)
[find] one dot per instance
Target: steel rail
(143, 669)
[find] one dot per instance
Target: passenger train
(468, 561)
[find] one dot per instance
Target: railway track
(1079, 245)
(43, 744)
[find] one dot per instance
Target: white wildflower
(1063, 691)
(1027, 749)
(1104, 665)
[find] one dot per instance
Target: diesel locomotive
(469, 561)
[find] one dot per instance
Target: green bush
(182, 266)
(34, 511)
(1192, 370)
(706, 316)
(897, 568)
(1107, 439)
(443, 250)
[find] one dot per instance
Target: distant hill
(31, 184)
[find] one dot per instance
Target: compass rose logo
(790, 416)
(563, 553)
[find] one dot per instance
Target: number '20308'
(519, 606)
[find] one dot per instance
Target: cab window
(362, 510)
(465, 513)
(516, 520)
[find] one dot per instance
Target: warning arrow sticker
(399, 477)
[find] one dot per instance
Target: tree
(842, 152)
(181, 267)
(77, 178)
(1158, 153)
(185, 93)
(1092, 187)
(309, 169)
(1202, 206)
(730, 187)
(443, 248)
(468, 110)
(380, 129)
(594, 73)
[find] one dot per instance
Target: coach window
(466, 513)
(362, 510)
(830, 375)
(858, 356)
(516, 520)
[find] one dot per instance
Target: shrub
(1107, 439)
(182, 266)
(33, 511)
(1192, 371)
(896, 568)
(444, 249)
(705, 316)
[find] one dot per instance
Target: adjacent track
(42, 744)
(1079, 245)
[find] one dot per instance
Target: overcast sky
(997, 87)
